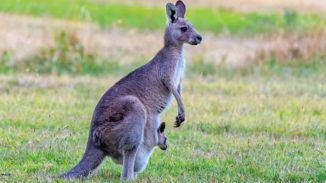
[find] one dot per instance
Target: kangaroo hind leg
(132, 127)
(129, 157)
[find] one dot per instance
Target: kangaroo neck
(175, 50)
(177, 47)
(172, 45)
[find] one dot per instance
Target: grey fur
(126, 119)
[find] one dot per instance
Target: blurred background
(254, 89)
(98, 36)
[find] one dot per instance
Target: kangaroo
(126, 118)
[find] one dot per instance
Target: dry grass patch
(31, 39)
(291, 46)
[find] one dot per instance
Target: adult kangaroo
(125, 121)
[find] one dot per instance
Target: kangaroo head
(178, 29)
(161, 137)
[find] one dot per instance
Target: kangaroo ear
(181, 9)
(171, 12)
(162, 127)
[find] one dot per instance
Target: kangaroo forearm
(173, 90)
(179, 92)
(181, 111)
(179, 89)
(178, 99)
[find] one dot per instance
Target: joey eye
(184, 29)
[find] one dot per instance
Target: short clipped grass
(267, 126)
(216, 20)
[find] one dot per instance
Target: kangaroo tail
(92, 158)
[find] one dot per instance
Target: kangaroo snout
(163, 146)
(196, 40)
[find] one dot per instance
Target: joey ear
(162, 127)
(171, 12)
(181, 9)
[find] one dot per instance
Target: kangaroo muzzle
(196, 40)
(164, 147)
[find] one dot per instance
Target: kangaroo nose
(199, 38)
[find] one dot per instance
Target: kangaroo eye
(184, 29)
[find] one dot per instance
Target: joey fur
(161, 137)
(126, 119)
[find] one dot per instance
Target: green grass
(247, 128)
(216, 20)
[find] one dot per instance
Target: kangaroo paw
(178, 120)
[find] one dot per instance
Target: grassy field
(258, 126)
(265, 122)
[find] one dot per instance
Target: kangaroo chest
(179, 71)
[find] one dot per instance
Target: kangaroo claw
(178, 120)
